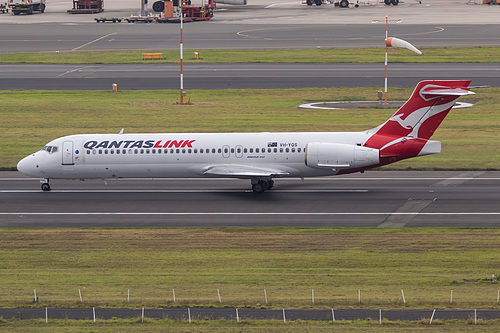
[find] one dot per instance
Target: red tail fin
(421, 115)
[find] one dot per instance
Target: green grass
(166, 325)
(477, 54)
(241, 263)
(30, 119)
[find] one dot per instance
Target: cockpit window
(50, 149)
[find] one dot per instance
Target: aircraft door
(225, 151)
(239, 151)
(67, 153)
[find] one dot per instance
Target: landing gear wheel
(387, 2)
(270, 184)
(395, 2)
(45, 187)
(344, 4)
(318, 2)
(259, 187)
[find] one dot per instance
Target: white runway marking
(182, 191)
(242, 213)
(322, 179)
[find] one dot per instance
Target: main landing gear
(45, 185)
(261, 185)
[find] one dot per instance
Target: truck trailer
(27, 6)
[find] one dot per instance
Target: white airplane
(260, 157)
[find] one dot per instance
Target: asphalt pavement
(236, 76)
(372, 199)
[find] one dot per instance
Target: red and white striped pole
(386, 35)
(182, 56)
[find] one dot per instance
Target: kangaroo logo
(411, 120)
(401, 121)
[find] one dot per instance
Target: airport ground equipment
(26, 6)
(347, 3)
(190, 12)
(4, 7)
(169, 12)
(87, 7)
(108, 19)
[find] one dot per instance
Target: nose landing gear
(45, 185)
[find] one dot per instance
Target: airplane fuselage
(90, 156)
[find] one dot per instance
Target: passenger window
(88, 152)
(153, 151)
(177, 151)
(100, 151)
(94, 152)
(281, 150)
(219, 150)
(232, 150)
(268, 150)
(256, 150)
(112, 151)
(225, 150)
(189, 151)
(136, 151)
(293, 150)
(288, 150)
(251, 150)
(184, 151)
(201, 151)
(298, 150)
(147, 151)
(165, 151)
(195, 150)
(244, 150)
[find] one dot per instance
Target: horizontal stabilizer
(446, 91)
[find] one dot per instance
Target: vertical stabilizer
(421, 115)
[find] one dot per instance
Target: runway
(373, 199)
(236, 76)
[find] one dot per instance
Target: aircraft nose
(28, 166)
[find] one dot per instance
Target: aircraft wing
(243, 171)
